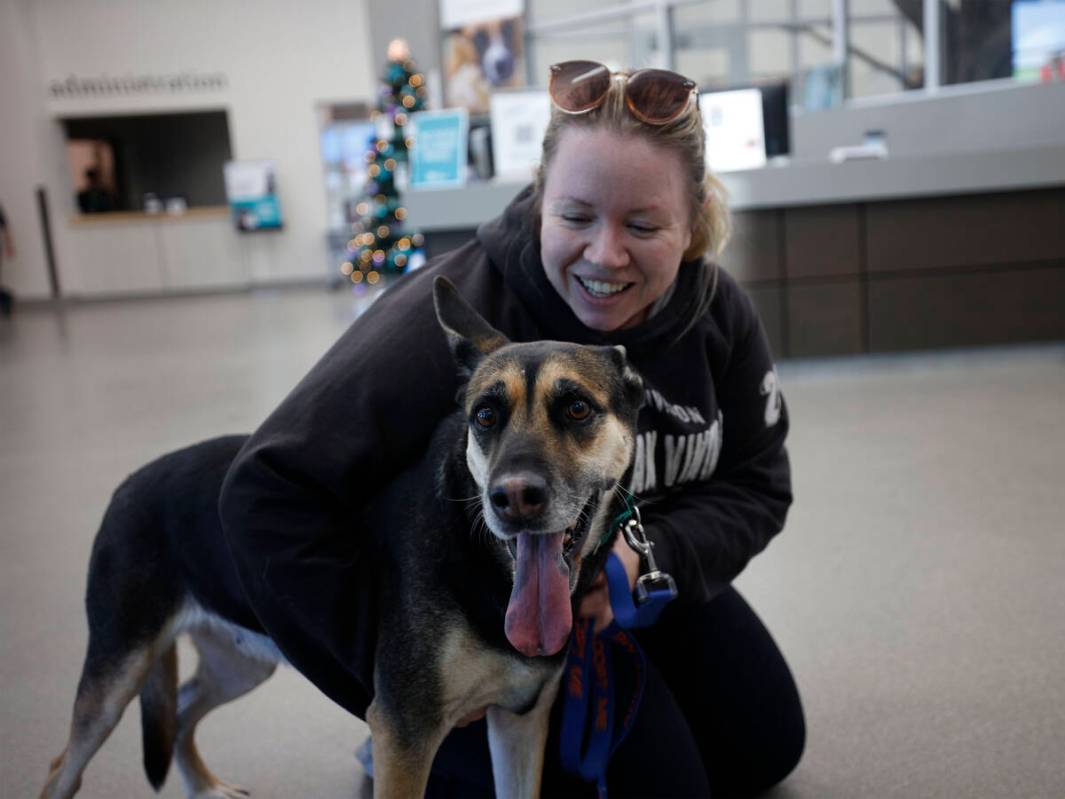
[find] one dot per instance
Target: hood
(513, 248)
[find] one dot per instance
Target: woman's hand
(596, 603)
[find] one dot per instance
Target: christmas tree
(381, 244)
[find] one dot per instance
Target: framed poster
(519, 119)
(438, 157)
(251, 190)
(481, 58)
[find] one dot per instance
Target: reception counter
(959, 250)
(791, 185)
(124, 253)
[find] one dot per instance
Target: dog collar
(619, 520)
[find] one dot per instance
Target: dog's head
(551, 432)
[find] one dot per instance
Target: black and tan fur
(448, 535)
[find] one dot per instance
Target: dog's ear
(634, 392)
(469, 336)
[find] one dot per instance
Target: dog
(498, 48)
(484, 548)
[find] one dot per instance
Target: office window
(541, 11)
(769, 10)
(173, 156)
(724, 43)
(709, 46)
(1037, 33)
(621, 43)
(769, 50)
(880, 60)
(760, 40)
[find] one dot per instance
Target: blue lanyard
(588, 736)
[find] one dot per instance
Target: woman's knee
(738, 693)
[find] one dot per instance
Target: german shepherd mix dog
(484, 548)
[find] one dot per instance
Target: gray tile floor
(917, 590)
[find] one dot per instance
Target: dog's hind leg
(222, 675)
(109, 681)
(517, 744)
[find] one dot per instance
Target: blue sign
(251, 189)
(438, 157)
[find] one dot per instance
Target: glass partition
(885, 51)
(722, 43)
(619, 43)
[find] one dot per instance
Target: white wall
(279, 58)
(22, 125)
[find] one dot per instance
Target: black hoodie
(711, 471)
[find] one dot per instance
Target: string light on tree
(380, 246)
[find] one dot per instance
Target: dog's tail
(159, 716)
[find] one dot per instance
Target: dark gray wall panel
(965, 310)
(824, 318)
(769, 302)
(822, 241)
(984, 230)
(753, 252)
(439, 242)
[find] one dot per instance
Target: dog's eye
(485, 416)
(578, 410)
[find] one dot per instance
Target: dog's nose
(519, 497)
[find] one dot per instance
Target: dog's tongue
(539, 616)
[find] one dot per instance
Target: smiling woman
(615, 226)
(623, 194)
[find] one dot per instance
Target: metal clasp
(637, 538)
(653, 582)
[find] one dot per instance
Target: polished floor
(917, 591)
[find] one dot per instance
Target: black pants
(720, 717)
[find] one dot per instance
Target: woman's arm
(289, 501)
(706, 533)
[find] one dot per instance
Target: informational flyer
(251, 190)
(438, 157)
(519, 119)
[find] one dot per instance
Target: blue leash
(588, 736)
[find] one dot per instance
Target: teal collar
(619, 520)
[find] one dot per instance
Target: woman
(608, 246)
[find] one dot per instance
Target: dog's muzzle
(539, 614)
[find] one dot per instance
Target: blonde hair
(710, 224)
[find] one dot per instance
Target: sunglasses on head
(653, 96)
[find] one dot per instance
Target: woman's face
(616, 223)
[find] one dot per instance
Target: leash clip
(654, 583)
(637, 538)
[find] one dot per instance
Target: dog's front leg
(517, 743)
(401, 763)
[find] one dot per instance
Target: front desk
(144, 254)
(872, 256)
